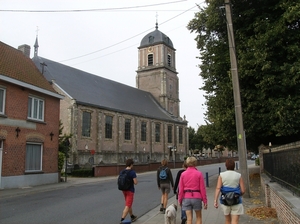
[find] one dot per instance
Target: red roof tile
(14, 64)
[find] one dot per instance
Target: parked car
(253, 157)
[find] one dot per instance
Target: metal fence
(284, 168)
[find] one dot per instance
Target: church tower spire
(36, 45)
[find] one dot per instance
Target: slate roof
(14, 64)
(156, 37)
(92, 90)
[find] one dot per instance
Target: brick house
(110, 121)
(29, 122)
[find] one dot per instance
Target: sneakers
(161, 209)
(183, 221)
(133, 218)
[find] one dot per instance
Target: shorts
(191, 204)
(233, 210)
(165, 188)
(128, 195)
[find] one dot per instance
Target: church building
(111, 122)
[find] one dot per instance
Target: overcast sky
(102, 37)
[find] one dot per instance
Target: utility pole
(237, 101)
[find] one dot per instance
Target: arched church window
(108, 126)
(86, 124)
(170, 137)
(143, 131)
(157, 132)
(127, 129)
(180, 135)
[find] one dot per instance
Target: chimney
(25, 49)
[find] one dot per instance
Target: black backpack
(124, 181)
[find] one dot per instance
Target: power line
(87, 10)
(117, 51)
(127, 38)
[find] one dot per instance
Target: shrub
(257, 161)
(83, 173)
(61, 159)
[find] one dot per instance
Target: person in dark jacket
(164, 184)
(129, 194)
(183, 214)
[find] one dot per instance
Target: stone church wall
(96, 149)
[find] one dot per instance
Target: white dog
(170, 214)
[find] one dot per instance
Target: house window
(2, 100)
(169, 59)
(169, 134)
(127, 129)
(150, 59)
(144, 131)
(157, 132)
(108, 127)
(86, 124)
(180, 135)
(35, 108)
(34, 153)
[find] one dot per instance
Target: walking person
(192, 191)
(129, 194)
(183, 214)
(164, 179)
(230, 181)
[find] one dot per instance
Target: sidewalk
(211, 215)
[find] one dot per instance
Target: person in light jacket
(192, 191)
(230, 181)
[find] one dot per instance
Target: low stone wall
(114, 169)
(286, 204)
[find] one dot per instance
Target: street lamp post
(271, 163)
(173, 154)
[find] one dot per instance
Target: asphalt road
(91, 203)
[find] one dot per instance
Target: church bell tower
(156, 71)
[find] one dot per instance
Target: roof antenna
(156, 25)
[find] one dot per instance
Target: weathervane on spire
(37, 31)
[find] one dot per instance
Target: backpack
(163, 174)
(124, 181)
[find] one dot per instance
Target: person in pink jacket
(192, 191)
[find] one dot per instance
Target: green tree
(192, 138)
(63, 150)
(267, 37)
